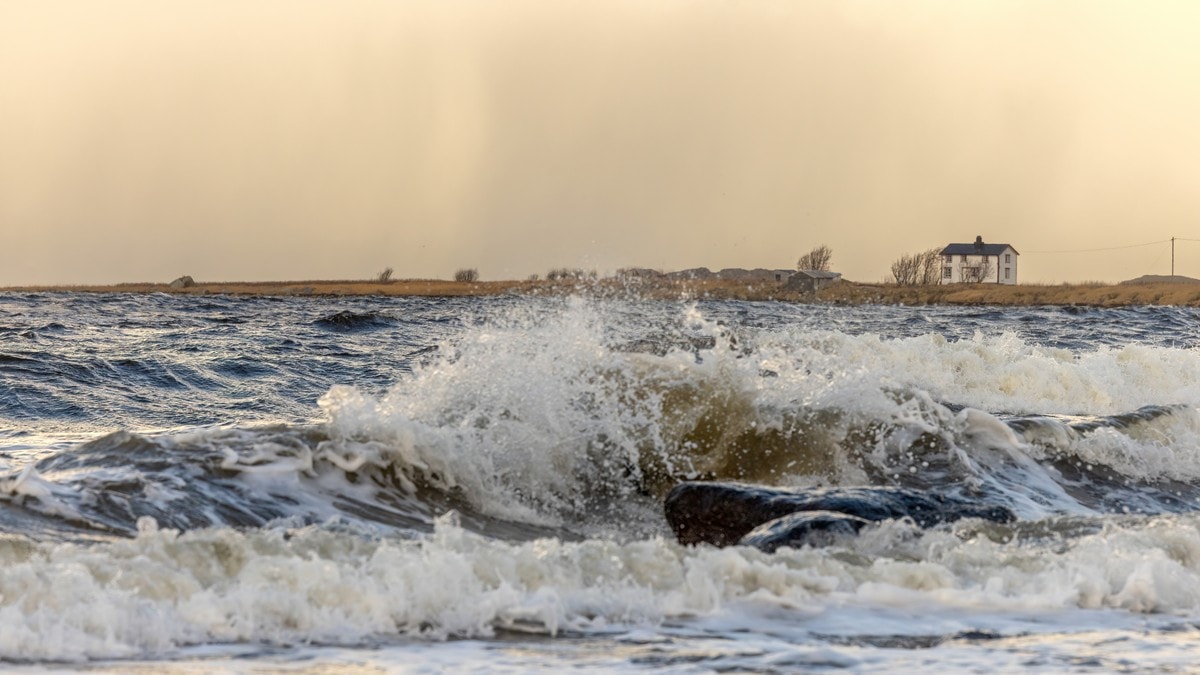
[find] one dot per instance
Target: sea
(195, 484)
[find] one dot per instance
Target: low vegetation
(568, 274)
(1086, 295)
(470, 275)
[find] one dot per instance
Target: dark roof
(972, 249)
(819, 274)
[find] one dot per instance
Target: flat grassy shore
(844, 292)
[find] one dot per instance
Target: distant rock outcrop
(183, 282)
(693, 273)
(1162, 279)
(757, 274)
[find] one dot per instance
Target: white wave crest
(164, 590)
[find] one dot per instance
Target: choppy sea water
(406, 484)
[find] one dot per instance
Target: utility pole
(1172, 258)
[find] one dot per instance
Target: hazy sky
(297, 139)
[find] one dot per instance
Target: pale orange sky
(297, 139)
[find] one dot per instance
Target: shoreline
(844, 292)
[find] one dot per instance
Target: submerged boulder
(723, 514)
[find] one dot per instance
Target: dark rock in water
(347, 320)
(814, 528)
(723, 513)
(344, 318)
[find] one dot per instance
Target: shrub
(384, 277)
(565, 274)
(468, 275)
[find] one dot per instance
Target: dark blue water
(135, 361)
(125, 361)
(513, 453)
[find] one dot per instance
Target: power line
(1111, 248)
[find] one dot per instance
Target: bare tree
(816, 260)
(469, 275)
(918, 269)
(384, 277)
(931, 267)
(907, 270)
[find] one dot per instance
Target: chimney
(978, 243)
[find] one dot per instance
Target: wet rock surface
(814, 528)
(723, 514)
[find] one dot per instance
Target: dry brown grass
(1090, 294)
(845, 292)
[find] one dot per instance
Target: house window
(962, 259)
(1007, 273)
(947, 272)
(1007, 257)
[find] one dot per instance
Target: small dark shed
(811, 281)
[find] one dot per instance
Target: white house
(979, 263)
